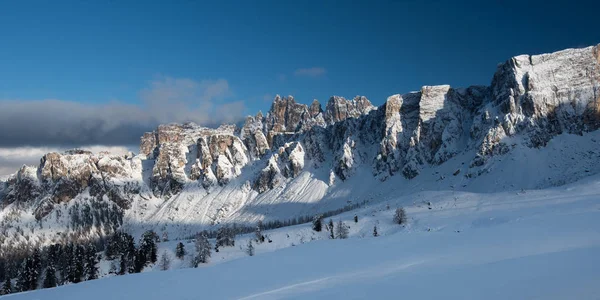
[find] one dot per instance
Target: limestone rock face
(148, 143)
(339, 109)
(315, 108)
(531, 99)
(62, 177)
(188, 152)
(286, 115)
(541, 96)
(253, 135)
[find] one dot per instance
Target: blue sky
(101, 72)
(99, 51)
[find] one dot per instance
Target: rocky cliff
(299, 153)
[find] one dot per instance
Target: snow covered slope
(535, 126)
(532, 244)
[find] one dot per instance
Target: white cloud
(310, 72)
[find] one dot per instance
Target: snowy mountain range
(535, 126)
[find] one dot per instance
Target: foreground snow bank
(529, 245)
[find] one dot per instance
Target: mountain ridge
(310, 157)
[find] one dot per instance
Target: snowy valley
(538, 244)
(499, 183)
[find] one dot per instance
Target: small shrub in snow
(400, 216)
(165, 261)
(341, 230)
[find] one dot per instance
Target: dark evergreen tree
(250, 248)
(78, 264)
(202, 250)
(225, 237)
(24, 276)
(318, 223)
(53, 254)
(148, 246)
(6, 287)
(50, 280)
(355, 219)
(139, 262)
(65, 263)
(375, 233)
(118, 244)
(3, 274)
(180, 251)
(91, 261)
(330, 229)
(260, 238)
(123, 265)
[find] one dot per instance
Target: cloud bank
(68, 123)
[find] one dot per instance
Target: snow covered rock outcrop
(188, 152)
(339, 109)
(300, 158)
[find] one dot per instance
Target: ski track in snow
(331, 281)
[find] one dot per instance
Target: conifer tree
(260, 238)
(91, 261)
(317, 223)
(78, 263)
(148, 246)
(50, 277)
(375, 233)
(6, 287)
(123, 265)
(3, 274)
(250, 248)
(36, 261)
(225, 237)
(139, 262)
(202, 250)
(180, 250)
(330, 229)
(24, 276)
